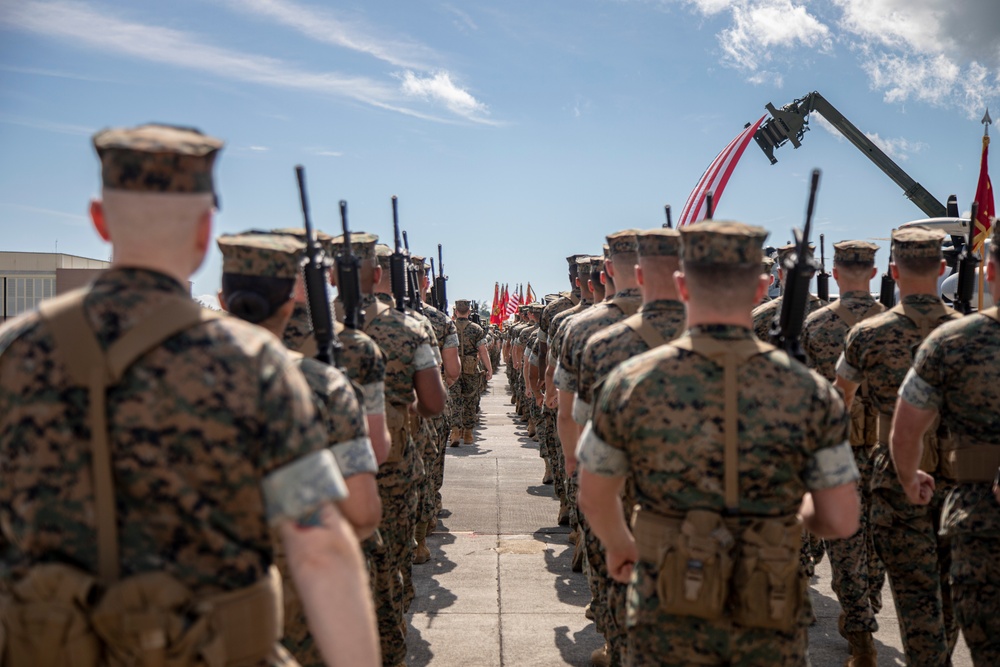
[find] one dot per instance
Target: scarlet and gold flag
(531, 295)
(495, 310)
(984, 195)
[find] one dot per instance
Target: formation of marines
(703, 470)
(184, 487)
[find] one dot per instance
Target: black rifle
(799, 269)
(412, 288)
(709, 205)
(327, 346)
(474, 315)
(441, 283)
(348, 274)
(887, 290)
(822, 278)
(669, 224)
(433, 287)
(967, 263)
(397, 264)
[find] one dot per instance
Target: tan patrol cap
(855, 252)
(583, 266)
(722, 242)
(460, 303)
(596, 264)
(766, 264)
(622, 242)
(362, 243)
(157, 158)
(786, 250)
(917, 243)
(261, 254)
(658, 242)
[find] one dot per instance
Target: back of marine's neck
(917, 287)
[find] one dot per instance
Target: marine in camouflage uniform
(447, 337)
(856, 567)
(955, 376)
(661, 418)
(525, 341)
(471, 351)
(557, 328)
(409, 352)
(555, 466)
(879, 350)
(216, 416)
(764, 314)
(272, 257)
(661, 318)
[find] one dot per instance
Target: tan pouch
(470, 365)
(45, 619)
(695, 566)
(768, 586)
(152, 620)
(396, 422)
(857, 433)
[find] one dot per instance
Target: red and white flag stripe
(716, 177)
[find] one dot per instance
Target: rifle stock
(441, 284)
(822, 278)
(348, 274)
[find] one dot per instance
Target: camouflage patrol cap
(583, 267)
(362, 243)
(419, 263)
(157, 158)
(855, 252)
(722, 242)
(606, 250)
(917, 242)
(263, 254)
(766, 264)
(300, 234)
(622, 241)
(596, 265)
(658, 242)
(572, 259)
(383, 254)
(460, 303)
(786, 250)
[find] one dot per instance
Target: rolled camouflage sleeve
(374, 398)
(602, 444)
(831, 462)
(850, 365)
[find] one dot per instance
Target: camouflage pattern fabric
(858, 573)
(465, 392)
(339, 409)
(224, 405)
(722, 242)
(650, 414)
(764, 314)
(604, 351)
(407, 350)
(259, 254)
(906, 538)
(955, 372)
(586, 324)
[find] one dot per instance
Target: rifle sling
(89, 366)
(730, 354)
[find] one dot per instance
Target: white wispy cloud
(57, 74)
(440, 88)
(760, 27)
(462, 20)
(77, 219)
(897, 148)
(95, 29)
(326, 26)
(47, 126)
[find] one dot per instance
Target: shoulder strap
(730, 355)
(647, 332)
(926, 322)
(92, 367)
(628, 305)
(372, 312)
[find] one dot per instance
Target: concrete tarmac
(498, 589)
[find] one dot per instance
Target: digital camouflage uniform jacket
(194, 426)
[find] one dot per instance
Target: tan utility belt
(971, 461)
(146, 620)
(710, 567)
(935, 459)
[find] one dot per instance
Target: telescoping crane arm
(791, 122)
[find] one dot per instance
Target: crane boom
(791, 122)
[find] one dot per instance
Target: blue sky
(515, 133)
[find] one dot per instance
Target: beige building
(28, 278)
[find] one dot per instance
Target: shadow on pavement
(576, 650)
(571, 588)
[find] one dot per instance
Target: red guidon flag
(495, 310)
(984, 195)
(716, 176)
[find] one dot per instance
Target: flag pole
(987, 121)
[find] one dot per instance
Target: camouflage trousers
(608, 597)
(442, 425)
(555, 455)
(464, 400)
(917, 561)
(427, 444)
(975, 589)
(849, 560)
(656, 638)
(392, 558)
